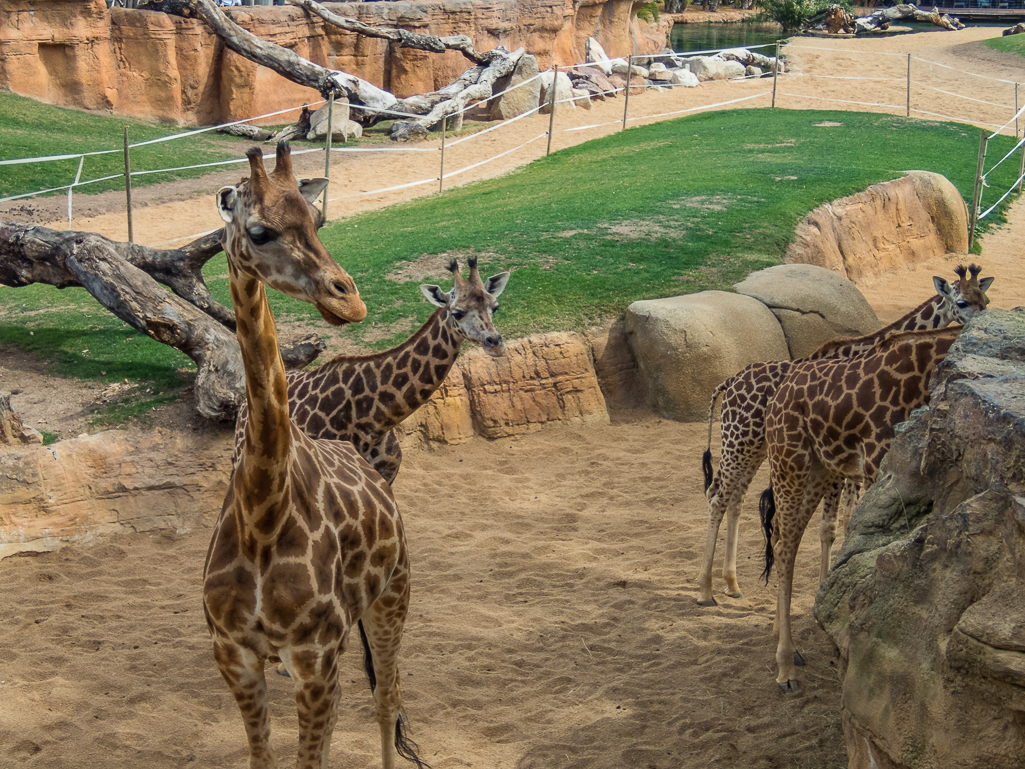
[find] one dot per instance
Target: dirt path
(554, 621)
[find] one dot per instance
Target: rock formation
(147, 479)
(78, 53)
(883, 228)
(926, 601)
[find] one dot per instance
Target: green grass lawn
(1009, 44)
(670, 208)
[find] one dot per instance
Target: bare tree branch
(404, 38)
(116, 274)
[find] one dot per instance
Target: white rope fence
(791, 81)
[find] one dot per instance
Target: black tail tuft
(767, 511)
(404, 745)
(368, 657)
(706, 466)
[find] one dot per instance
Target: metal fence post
(629, 74)
(908, 114)
(327, 150)
(441, 173)
(551, 116)
(128, 188)
(775, 74)
(978, 191)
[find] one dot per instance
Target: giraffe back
(844, 410)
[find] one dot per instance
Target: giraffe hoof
(798, 659)
(736, 594)
(281, 670)
(709, 602)
(788, 687)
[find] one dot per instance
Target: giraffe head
(270, 235)
(471, 306)
(967, 297)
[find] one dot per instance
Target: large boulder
(522, 90)
(686, 345)
(812, 304)
(563, 91)
(886, 227)
(708, 68)
(541, 379)
(926, 601)
(342, 129)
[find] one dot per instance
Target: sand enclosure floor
(553, 622)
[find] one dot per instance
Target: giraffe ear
(227, 199)
(311, 188)
(435, 295)
(984, 284)
(495, 285)
(942, 287)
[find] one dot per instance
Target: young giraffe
(831, 420)
(363, 398)
(309, 539)
(745, 398)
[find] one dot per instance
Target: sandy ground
(553, 621)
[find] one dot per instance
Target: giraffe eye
(260, 235)
(495, 309)
(458, 314)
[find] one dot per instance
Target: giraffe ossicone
(745, 398)
(309, 540)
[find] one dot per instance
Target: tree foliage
(792, 14)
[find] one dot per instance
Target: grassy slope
(675, 207)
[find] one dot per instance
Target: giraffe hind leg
(381, 633)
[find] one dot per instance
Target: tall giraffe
(834, 419)
(745, 398)
(363, 398)
(309, 540)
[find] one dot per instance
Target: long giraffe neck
(930, 314)
(398, 381)
(261, 477)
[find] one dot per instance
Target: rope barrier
(443, 175)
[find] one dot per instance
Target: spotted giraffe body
(831, 420)
(363, 398)
(745, 398)
(309, 540)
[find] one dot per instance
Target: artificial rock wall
(79, 53)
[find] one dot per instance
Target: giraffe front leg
(243, 672)
(316, 698)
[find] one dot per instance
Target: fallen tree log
(880, 20)
(124, 278)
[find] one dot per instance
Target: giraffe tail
(404, 745)
(706, 458)
(767, 511)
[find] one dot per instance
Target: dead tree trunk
(881, 19)
(123, 278)
(371, 103)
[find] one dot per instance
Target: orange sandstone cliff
(79, 53)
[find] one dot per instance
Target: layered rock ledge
(926, 602)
